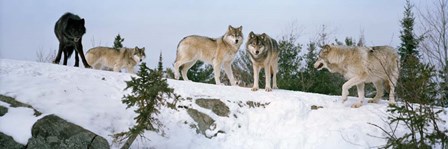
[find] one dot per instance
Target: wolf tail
(70, 52)
(177, 49)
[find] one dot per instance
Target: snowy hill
(92, 100)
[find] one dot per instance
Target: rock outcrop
(54, 132)
(217, 106)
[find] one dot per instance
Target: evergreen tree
(410, 63)
(408, 47)
(415, 86)
(243, 70)
(118, 42)
(169, 73)
(349, 41)
(200, 72)
(150, 92)
(160, 64)
(289, 63)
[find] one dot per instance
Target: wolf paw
(274, 87)
(393, 103)
(268, 89)
(254, 89)
(343, 100)
(373, 101)
(356, 105)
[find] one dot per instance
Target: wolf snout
(318, 65)
(236, 41)
(256, 52)
(140, 60)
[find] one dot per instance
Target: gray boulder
(8, 142)
(54, 132)
(3, 110)
(217, 106)
(203, 120)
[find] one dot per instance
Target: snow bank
(92, 99)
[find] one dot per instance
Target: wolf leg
(58, 56)
(256, 73)
(131, 69)
(78, 47)
(392, 83)
(117, 67)
(217, 70)
(274, 75)
(347, 85)
(65, 57)
(97, 66)
(177, 64)
(185, 69)
(360, 88)
(267, 72)
(176, 70)
(229, 72)
(76, 59)
(379, 91)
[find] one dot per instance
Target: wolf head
(75, 28)
(139, 54)
(234, 36)
(257, 44)
(322, 60)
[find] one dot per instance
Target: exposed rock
(314, 107)
(217, 106)
(14, 103)
(3, 110)
(252, 104)
(8, 142)
(54, 132)
(203, 120)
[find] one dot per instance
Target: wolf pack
(357, 64)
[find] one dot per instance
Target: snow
(92, 99)
(17, 123)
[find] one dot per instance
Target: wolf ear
(143, 49)
(240, 28)
(251, 34)
(326, 46)
(230, 27)
(82, 21)
(263, 36)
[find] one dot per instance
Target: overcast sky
(27, 26)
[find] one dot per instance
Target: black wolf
(69, 30)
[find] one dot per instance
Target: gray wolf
(359, 65)
(263, 52)
(115, 59)
(69, 30)
(216, 51)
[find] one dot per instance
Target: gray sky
(27, 26)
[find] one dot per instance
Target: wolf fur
(115, 59)
(216, 51)
(69, 30)
(263, 52)
(361, 65)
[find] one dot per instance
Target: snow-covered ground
(92, 99)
